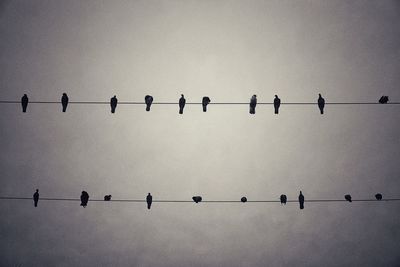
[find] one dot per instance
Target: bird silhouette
(182, 102)
(84, 199)
(107, 197)
(348, 198)
(36, 197)
(283, 199)
(253, 104)
(64, 102)
(149, 200)
(378, 196)
(301, 200)
(384, 99)
(113, 103)
(24, 102)
(277, 104)
(243, 199)
(206, 100)
(321, 103)
(148, 99)
(197, 199)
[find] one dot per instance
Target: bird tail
(148, 108)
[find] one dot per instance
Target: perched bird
(348, 198)
(283, 199)
(84, 199)
(182, 102)
(321, 103)
(64, 102)
(384, 99)
(253, 104)
(197, 199)
(36, 197)
(301, 200)
(277, 104)
(113, 103)
(149, 200)
(243, 199)
(148, 99)
(24, 102)
(107, 197)
(205, 102)
(378, 196)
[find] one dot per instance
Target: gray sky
(228, 50)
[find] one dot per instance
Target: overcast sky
(229, 50)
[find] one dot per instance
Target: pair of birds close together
(64, 102)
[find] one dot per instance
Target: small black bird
(243, 199)
(283, 199)
(205, 102)
(182, 102)
(113, 103)
(148, 99)
(348, 198)
(253, 104)
(24, 102)
(84, 199)
(64, 102)
(321, 103)
(149, 200)
(277, 104)
(378, 196)
(301, 200)
(384, 99)
(107, 197)
(197, 199)
(36, 197)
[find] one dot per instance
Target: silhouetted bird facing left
(64, 102)
(378, 196)
(206, 100)
(24, 102)
(84, 199)
(149, 200)
(113, 103)
(107, 197)
(348, 198)
(301, 200)
(243, 199)
(182, 102)
(36, 198)
(197, 199)
(148, 99)
(283, 199)
(277, 104)
(253, 104)
(384, 99)
(321, 103)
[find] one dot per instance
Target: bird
(321, 103)
(205, 102)
(149, 200)
(384, 99)
(243, 199)
(148, 99)
(84, 199)
(378, 196)
(301, 200)
(348, 198)
(197, 199)
(107, 197)
(64, 102)
(182, 102)
(253, 104)
(113, 103)
(283, 199)
(277, 104)
(36, 197)
(24, 102)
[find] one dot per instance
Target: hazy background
(228, 50)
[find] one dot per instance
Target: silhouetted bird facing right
(113, 103)
(148, 99)
(182, 102)
(107, 197)
(243, 199)
(348, 198)
(84, 199)
(384, 99)
(277, 104)
(253, 104)
(301, 200)
(149, 200)
(64, 102)
(321, 103)
(283, 199)
(24, 102)
(36, 198)
(197, 199)
(206, 100)
(378, 196)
